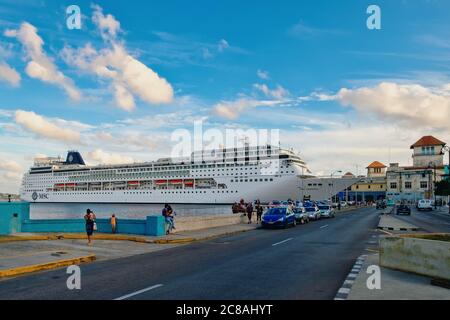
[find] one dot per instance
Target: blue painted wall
(152, 225)
(11, 216)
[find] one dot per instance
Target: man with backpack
(167, 213)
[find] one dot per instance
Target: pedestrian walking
(259, 212)
(113, 223)
(90, 224)
(167, 212)
(249, 212)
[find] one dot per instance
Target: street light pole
(447, 148)
(332, 185)
(434, 182)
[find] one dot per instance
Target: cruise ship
(220, 176)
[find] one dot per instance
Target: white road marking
(344, 290)
(349, 282)
(138, 292)
(275, 244)
(324, 226)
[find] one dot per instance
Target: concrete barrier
(417, 254)
(204, 222)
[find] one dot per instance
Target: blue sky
(341, 94)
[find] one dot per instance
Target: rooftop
(428, 141)
(376, 164)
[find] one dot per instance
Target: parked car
(313, 212)
(300, 215)
(326, 211)
(424, 204)
(278, 217)
(403, 209)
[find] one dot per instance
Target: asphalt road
(306, 262)
(429, 221)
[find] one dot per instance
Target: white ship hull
(280, 188)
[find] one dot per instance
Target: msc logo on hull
(35, 196)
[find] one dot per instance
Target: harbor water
(124, 211)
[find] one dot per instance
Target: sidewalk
(49, 251)
(395, 285)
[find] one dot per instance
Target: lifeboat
(176, 181)
(189, 183)
(160, 182)
(71, 185)
(133, 183)
(59, 185)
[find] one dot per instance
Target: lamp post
(432, 164)
(447, 148)
(332, 184)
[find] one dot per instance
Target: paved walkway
(395, 285)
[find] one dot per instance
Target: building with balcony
(412, 183)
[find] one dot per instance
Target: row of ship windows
(195, 168)
(142, 192)
(156, 170)
(241, 180)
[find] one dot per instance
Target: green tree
(443, 188)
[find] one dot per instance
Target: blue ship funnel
(74, 157)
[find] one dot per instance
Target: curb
(102, 236)
(45, 266)
(26, 238)
(346, 287)
(168, 241)
(398, 229)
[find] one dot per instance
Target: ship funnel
(74, 157)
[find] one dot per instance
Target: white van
(424, 204)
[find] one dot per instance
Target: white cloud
(99, 156)
(232, 109)
(43, 127)
(129, 77)
(40, 66)
(10, 173)
(9, 165)
(9, 74)
(123, 96)
(407, 104)
(223, 44)
(107, 25)
(264, 75)
(278, 93)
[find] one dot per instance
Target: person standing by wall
(167, 213)
(90, 224)
(113, 223)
